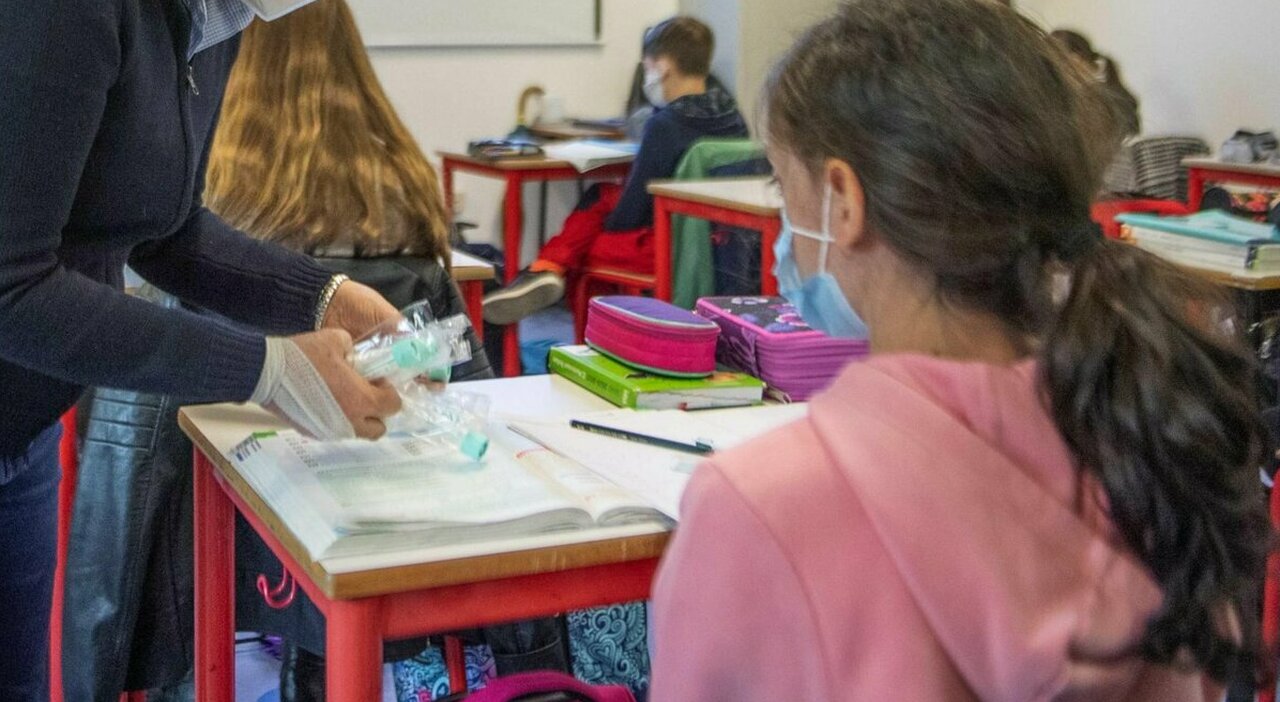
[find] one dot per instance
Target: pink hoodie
(918, 537)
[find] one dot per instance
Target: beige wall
(753, 34)
(448, 96)
(1201, 68)
(723, 17)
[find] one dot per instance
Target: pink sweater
(918, 537)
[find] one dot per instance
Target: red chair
(67, 456)
(1271, 606)
(592, 280)
(66, 498)
(1104, 212)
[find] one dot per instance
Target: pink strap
(512, 687)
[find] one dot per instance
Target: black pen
(700, 448)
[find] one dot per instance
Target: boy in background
(613, 226)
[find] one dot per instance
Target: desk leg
(512, 226)
(768, 237)
(446, 186)
(511, 366)
(1195, 188)
(455, 661)
(215, 566)
(353, 651)
(662, 249)
(473, 297)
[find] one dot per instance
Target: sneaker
(528, 293)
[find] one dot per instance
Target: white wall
(1200, 68)
(449, 96)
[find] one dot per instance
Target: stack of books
(626, 386)
(766, 337)
(1211, 240)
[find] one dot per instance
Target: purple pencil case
(652, 335)
(764, 336)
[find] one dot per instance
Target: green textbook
(628, 387)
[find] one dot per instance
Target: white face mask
(653, 88)
(274, 9)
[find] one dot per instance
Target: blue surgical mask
(818, 298)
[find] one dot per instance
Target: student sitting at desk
(614, 226)
(1043, 483)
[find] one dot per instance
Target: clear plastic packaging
(416, 354)
(416, 346)
(460, 419)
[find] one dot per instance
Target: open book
(585, 155)
(348, 498)
(656, 476)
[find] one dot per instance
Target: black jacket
(128, 614)
(104, 133)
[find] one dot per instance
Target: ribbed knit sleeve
(58, 61)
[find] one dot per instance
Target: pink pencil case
(652, 335)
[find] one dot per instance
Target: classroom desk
(516, 172)
(1256, 297)
(1210, 170)
(750, 203)
(470, 273)
(394, 596)
(557, 131)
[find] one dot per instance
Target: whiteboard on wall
(477, 22)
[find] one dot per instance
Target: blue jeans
(28, 544)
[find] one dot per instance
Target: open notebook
(585, 155)
(356, 498)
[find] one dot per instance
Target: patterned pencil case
(652, 335)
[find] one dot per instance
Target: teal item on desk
(474, 445)
(1212, 225)
(691, 257)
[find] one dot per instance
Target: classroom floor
(258, 674)
(541, 331)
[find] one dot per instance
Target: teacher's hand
(309, 381)
(365, 404)
(357, 309)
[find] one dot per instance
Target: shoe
(528, 293)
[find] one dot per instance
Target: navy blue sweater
(104, 133)
(667, 135)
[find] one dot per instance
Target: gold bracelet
(326, 297)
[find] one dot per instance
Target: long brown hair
(979, 145)
(309, 151)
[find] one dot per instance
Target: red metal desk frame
(356, 628)
(516, 173)
(666, 205)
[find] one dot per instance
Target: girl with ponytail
(1042, 485)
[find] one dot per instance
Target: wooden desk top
(1249, 282)
(531, 163)
(1240, 281)
(1213, 164)
(467, 267)
(216, 429)
(755, 195)
(569, 130)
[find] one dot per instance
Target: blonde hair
(309, 152)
